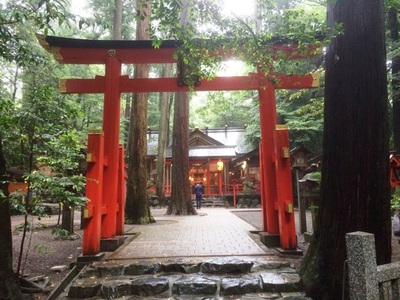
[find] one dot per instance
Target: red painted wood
(268, 119)
(284, 191)
(83, 86)
(263, 194)
(94, 184)
(111, 127)
(121, 192)
(130, 54)
(126, 56)
(147, 85)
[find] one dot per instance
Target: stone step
(218, 278)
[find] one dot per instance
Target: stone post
(362, 266)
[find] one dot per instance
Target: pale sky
(239, 7)
(79, 7)
(236, 7)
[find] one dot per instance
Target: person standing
(198, 190)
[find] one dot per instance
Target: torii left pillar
(106, 188)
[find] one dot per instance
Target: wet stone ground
(219, 278)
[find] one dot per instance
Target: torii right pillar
(275, 167)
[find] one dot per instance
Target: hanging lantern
(220, 165)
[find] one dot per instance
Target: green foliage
(15, 16)
(62, 152)
(41, 249)
(208, 31)
(392, 3)
(395, 201)
(61, 233)
(66, 189)
(218, 109)
(316, 176)
(302, 111)
(17, 205)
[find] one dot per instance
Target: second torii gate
(105, 186)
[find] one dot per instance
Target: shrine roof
(83, 51)
(223, 142)
(218, 152)
(200, 152)
(56, 41)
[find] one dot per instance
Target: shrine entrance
(104, 214)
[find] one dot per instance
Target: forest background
(41, 128)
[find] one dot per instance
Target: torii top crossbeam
(77, 51)
(65, 50)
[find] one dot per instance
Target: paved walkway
(213, 232)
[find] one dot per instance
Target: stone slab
(270, 240)
(111, 244)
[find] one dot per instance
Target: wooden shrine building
(213, 160)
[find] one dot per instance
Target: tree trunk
(163, 138)
(137, 204)
(393, 25)
(9, 288)
(117, 28)
(127, 112)
(181, 202)
(355, 182)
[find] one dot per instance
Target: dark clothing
(198, 190)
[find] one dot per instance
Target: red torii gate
(104, 215)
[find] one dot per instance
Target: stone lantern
(299, 157)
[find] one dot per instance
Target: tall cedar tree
(181, 203)
(355, 185)
(137, 205)
(393, 24)
(164, 108)
(117, 20)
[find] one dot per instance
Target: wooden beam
(158, 85)
(77, 51)
(82, 86)
(294, 82)
(100, 56)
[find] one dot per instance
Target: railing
(227, 189)
(368, 281)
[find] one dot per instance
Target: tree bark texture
(117, 28)
(163, 137)
(393, 25)
(181, 202)
(9, 288)
(137, 205)
(355, 192)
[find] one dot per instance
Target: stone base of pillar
(290, 251)
(111, 244)
(90, 258)
(270, 240)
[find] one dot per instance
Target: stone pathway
(214, 232)
(214, 255)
